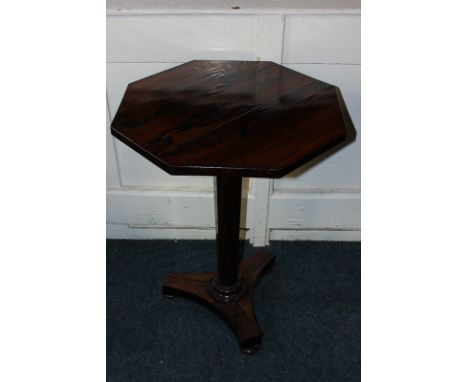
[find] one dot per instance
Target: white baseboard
(176, 215)
(122, 231)
(321, 211)
(315, 235)
(156, 209)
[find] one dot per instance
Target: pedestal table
(230, 119)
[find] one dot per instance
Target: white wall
(317, 202)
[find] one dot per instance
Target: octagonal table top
(231, 118)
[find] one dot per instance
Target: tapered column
(228, 204)
(229, 291)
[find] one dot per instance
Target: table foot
(236, 309)
(249, 349)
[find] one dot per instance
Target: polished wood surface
(243, 118)
(239, 313)
(228, 207)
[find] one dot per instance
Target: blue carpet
(308, 308)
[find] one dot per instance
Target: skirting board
(145, 214)
(315, 235)
(122, 231)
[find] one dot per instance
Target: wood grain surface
(232, 118)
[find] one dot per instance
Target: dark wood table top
(223, 118)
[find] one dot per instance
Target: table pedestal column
(229, 291)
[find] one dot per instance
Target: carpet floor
(308, 308)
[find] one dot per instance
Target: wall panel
(322, 39)
(180, 38)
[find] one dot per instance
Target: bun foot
(167, 293)
(250, 348)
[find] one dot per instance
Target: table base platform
(234, 303)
